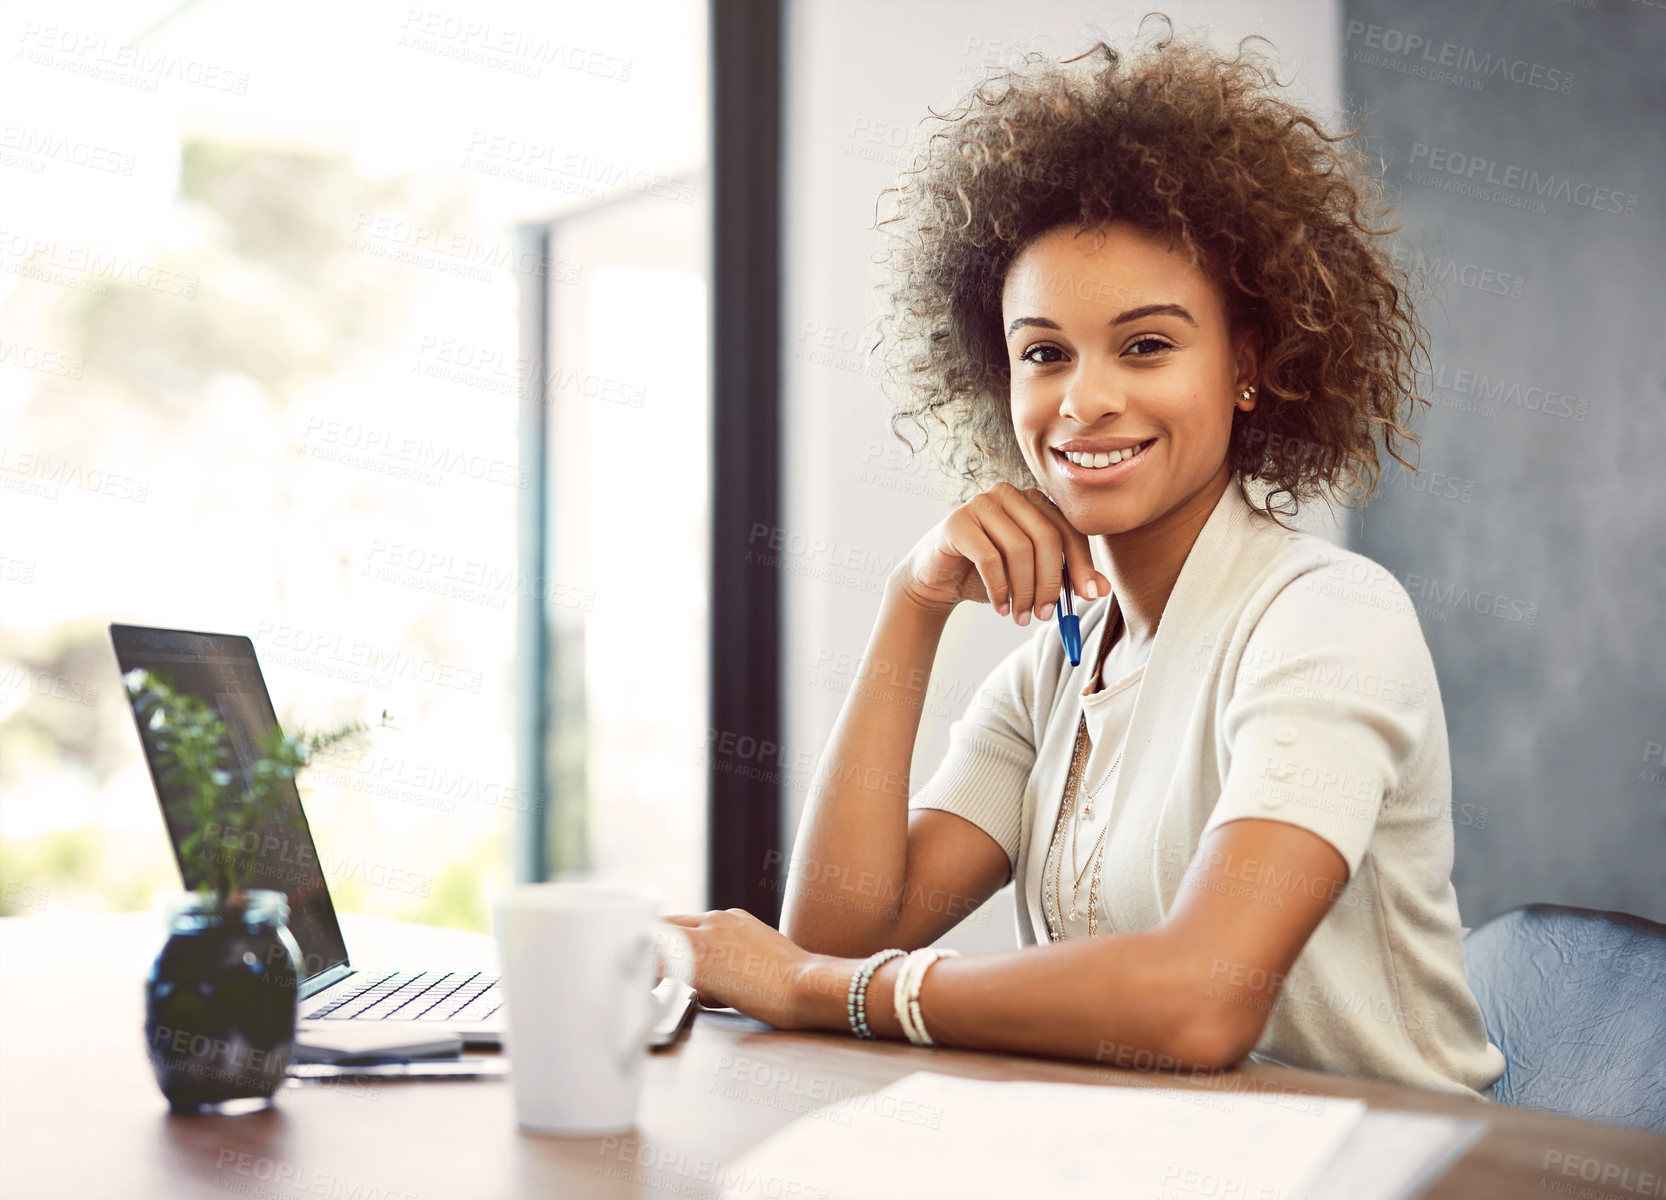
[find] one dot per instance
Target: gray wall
(1538, 563)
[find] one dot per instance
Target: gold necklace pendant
(1075, 825)
(1087, 805)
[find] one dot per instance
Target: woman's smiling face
(1114, 339)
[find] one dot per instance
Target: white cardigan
(1289, 679)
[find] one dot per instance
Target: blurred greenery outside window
(259, 374)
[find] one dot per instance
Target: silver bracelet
(856, 1004)
(905, 996)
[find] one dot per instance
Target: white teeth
(1104, 460)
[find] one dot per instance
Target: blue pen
(1070, 626)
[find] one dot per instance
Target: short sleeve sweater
(1288, 680)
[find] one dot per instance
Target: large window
(627, 461)
(260, 373)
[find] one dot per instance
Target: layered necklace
(1075, 810)
(1096, 859)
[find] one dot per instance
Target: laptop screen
(221, 670)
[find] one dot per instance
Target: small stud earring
(1247, 392)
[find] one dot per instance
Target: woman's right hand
(1004, 547)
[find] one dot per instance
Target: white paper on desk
(1394, 1156)
(933, 1135)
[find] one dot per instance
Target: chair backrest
(1576, 1000)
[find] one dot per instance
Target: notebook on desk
(931, 1135)
(221, 669)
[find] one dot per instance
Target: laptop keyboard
(414, 996)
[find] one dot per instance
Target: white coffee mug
(578, 964)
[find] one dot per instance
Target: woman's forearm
(1127, 1000)
(845, 882)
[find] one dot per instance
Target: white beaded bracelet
(905, 995)
(899, 997)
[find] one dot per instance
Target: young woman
(1130, 293)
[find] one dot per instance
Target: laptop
(221, 669)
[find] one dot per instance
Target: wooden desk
(81, 1116)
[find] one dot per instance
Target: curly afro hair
(1178, 140)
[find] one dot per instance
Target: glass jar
(221, 1001)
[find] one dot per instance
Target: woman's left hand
(742, 963)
